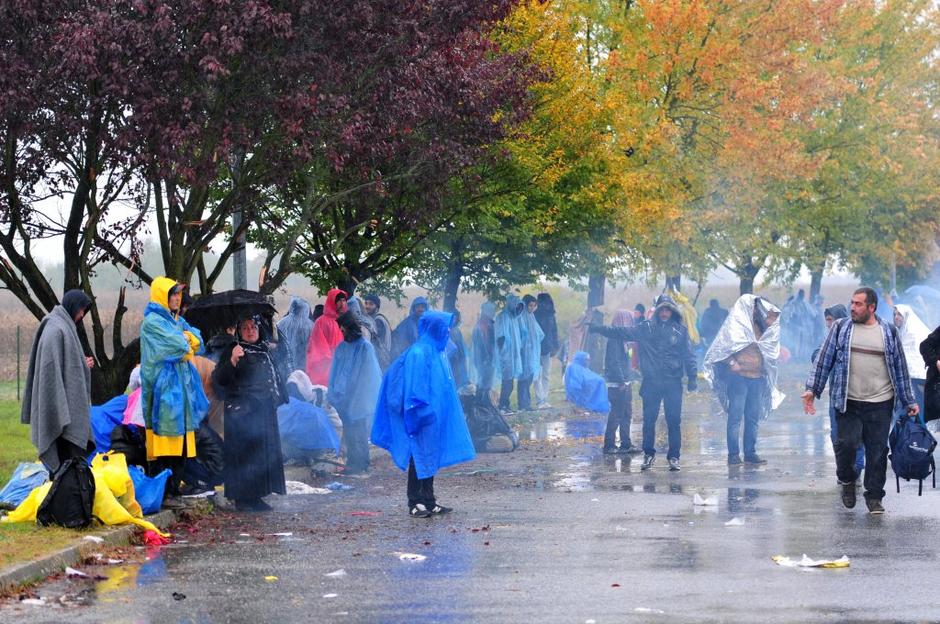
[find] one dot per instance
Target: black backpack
(71, 498)
(912, 447)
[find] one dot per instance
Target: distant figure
(486, 369)
(57, 395)
(382, 340)
(355, 378)
(295, 331)
(419, 419)
(913, 332)
(406, 334)
(253, 390)
(863, 358)
(317, 312)
(531, 352)
(618, 372)
(711, 321)
(510, 340)
(457, 353)
(584, 387)
(741, 365)
(930, 352)
(545, 315)
(325, 337)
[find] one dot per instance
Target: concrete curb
(39, 569)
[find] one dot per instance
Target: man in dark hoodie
(665, 356)
(711, 321)
(406, 334)
(382, 340)
(545, 316)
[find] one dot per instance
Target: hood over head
(714, 304)
(349, 322)
(74, 301)
(838, 311)
(665, 301)
(434, 327)
(546, 302)
(417, 301)
(581, 358)
(640, 308)
(329, 308)
(487, 311)
(374, 299)
(161, 288)
(299, 307)
(514, 305)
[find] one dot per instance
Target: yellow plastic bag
(689, 315)
(26, 511)
(113, 467)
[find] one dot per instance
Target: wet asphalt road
(555, 532)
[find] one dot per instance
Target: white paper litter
(39, 602)
(93, 538)
(711, 501)
(279, 534)
(298, 487)
(735, 522)
(648, 610)
(806, 562)
(73, 573)
(336, 574)
(101, 559)
(330, 595)
(409, 556)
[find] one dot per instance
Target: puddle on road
(560, 429)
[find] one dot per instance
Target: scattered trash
(336, 486)
(409, 556)
(152, 538)
(73, 573)
(735, 522)
(178, 596)
(806, 562)
(336, 574)
(93, 538)
(711, 501)
(366, 514)
(595, 500)
(590, 621)
(298, 487)
(244, 535)
(270, 578)
(287, 534)
(99, 558)
(621, 528)
(648, 610)
(615, 584)
(38, 602)
(330, 595)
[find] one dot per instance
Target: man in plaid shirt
(869, 374)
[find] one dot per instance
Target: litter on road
(93, 538)
(409, 556)
(735, 522)
(806, 562)
(336, 574)
(298, 487)
(270, 578)
(710, 501)
(336, 486)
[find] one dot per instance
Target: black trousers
(420, 490)
(621, 413)
(868, 424)
(668, 393)
(356, 436)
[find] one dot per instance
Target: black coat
(254, 464)
(930, 350)
(617, 367)
(665, 348)
(545, 317)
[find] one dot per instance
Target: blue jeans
(834, 436)
(744, 396)
(667, 392)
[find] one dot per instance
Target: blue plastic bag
(25, 479)
(104, 418)
(149, 490)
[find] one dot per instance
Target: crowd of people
(410, 389)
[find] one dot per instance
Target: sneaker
(875, 507)
(419, 511)
(629, 450)
(440, 510)
(196, 491)
(848, 495)
(543, 406)
(610, 450)
(674, 464)
(734, 460)
(755, 460)
(648, 462)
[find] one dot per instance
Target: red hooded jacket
(324, 339)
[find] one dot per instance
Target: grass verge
(15, 446)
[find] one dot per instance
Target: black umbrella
(213, 313)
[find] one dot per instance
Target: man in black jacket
(665, 356)
(545, 316)
(930, 351)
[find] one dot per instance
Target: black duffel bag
(71, 498)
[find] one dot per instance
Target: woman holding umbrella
(254, 388)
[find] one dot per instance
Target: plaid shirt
(834, 360)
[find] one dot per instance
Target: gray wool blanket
(57, 396)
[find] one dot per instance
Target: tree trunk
(748, 273)
(815, 284)
(109, 379)
(597, 282)
(674, 281)
(452, 285)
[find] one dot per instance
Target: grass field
(15, 446)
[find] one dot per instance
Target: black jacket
(545, 316)
(665, 349)
(930, 350)
(617, 367)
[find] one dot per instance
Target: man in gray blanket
(57, 396)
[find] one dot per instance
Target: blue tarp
(584, 387)
(26, 477)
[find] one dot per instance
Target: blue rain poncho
(531, 346)
(355, 380)
(484, 355)
(457, 354)
(104, 418)
(406, 333)
(295, 331)
(510, 337)
(305, 426)
(418, 415)
(584, 387)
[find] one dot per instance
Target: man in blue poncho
(295, 330)
(172, 397)
(457, 353)
(406, 333)
(418, 418)
(531, 352)
(484, 352)
(584, 387)
(510, 340)
(355, 378)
